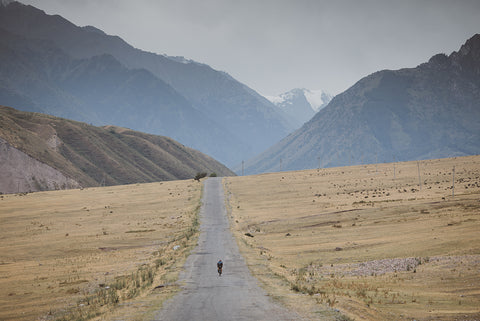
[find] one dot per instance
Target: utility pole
(419, 180)
(280, 164)
(319, 164)
(453, 182)
(394, 173)
(243, 167)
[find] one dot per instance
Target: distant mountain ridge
(42, 152)
(431, 111)
(99, 90)
(299, 105)
(233, 121)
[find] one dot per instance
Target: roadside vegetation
(371, 242)
(96, 253)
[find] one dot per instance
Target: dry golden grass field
(377, 242)
(94, 253)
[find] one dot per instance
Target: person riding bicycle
(219, 267)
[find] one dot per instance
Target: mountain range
(52, 66)
(42, 152)
(299, 105)
(49, 65)
(430, 111)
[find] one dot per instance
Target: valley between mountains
(119, 187)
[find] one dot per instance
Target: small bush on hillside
(213, 175)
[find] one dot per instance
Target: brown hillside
(94, 156)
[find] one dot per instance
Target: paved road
(206, 296)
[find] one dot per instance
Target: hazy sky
(277, 45)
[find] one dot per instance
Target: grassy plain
(375, 242)
(94, 253)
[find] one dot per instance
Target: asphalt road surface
(206, 296)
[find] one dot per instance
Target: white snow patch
(275, 99)
(180, 59)
(317, 98)
(285, 97)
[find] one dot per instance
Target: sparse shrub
(295, 287)
(199, 176)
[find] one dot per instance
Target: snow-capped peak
(316, 98)
(299, 105)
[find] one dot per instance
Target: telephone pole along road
(205, 295)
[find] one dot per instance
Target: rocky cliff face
(22, 173)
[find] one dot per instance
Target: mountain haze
(99, 90)
(205, 109)
(69, 154)
(431, 111)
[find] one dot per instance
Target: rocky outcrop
(22, 173)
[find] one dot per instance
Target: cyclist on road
(219, 267)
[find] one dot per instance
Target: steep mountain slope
(252, 122)
(430, 111)
(37, 76)
(300, 105)
(90, 156)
